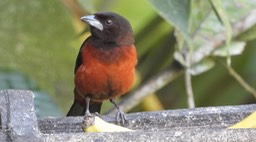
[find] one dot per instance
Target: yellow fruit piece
(248, 122)
(100, 125)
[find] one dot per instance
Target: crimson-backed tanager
(105, 65)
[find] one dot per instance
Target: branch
(239, 79)
(168, 75)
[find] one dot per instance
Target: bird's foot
(120, 117)
(88, 120)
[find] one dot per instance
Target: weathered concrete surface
(18, 118)
(208, 117)
(19, 123)
(173, 135)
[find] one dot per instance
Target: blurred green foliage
(41, 39)
(36, 39)
(44, 105)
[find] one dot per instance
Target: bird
(105, 64)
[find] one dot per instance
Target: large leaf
(202, 66)
(248, 35)
(224, 19)
(236, 48)
(200, 9)
(176, 12)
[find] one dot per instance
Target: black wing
(79, 60)
(77, 109)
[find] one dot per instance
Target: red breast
(105, 73)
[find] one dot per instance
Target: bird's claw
(120, 117)
(88, 120)
(96, 114)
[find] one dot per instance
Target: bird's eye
(108, 22)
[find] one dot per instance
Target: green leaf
(248, 35)
(198, 68)
(235, 48)
(176, 12)
(179, 57)
(202, 66)
(224, 19)
(197, 17)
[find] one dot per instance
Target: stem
(188, 83)
(189, 90)
(240, 80)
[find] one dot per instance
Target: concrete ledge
(209, 117)
(173, 135)
(19, 123)
(18, 117)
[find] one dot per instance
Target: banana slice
(100, 125)
(248, 122)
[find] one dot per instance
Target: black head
(110, 28)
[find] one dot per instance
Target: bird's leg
(88, 117)
(120, 116)
(87, 111)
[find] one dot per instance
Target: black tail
(79, 110)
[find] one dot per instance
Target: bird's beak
(92, 21)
